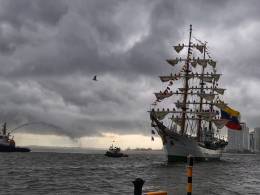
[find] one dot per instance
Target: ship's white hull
(178, 147)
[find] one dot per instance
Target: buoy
(189, 174)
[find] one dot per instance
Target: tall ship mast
(190, 113)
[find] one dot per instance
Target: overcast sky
(50, 50)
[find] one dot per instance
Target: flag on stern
(233, 117)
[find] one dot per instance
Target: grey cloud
(32, 13)
(19, 19)
(50, 51)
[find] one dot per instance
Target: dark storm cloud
(18, 17)
(50, 51)
(26, 13)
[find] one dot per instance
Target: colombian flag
(233, 117)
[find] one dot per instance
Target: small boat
(115, 152)
(7, 144)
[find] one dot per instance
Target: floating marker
(189, 174)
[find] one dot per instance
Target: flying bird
(95, 78)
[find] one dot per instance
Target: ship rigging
(194, 114)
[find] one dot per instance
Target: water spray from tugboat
(34, 123)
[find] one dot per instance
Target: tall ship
(189, 113)
(7, 144)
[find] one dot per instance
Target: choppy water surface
(93, 173)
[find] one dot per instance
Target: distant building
(252, 141)
(257, 139)
(238, 140)
(245, 132)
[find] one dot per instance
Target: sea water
(72, 171)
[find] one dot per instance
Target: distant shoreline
(53, 149)
(142, 149)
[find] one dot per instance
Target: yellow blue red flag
(231, 111)
(233, 117)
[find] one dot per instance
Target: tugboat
(7, 144)
(114, 151)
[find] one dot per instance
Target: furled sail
(178, 48)
(208, 97)
(169, 78)
(216, 76)
(207, 79)
(202, 62)
(200, 48)
(161, 95)
(173, 62)
(208, 116)
(219, 90)
(160, 115)
(220, 104)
